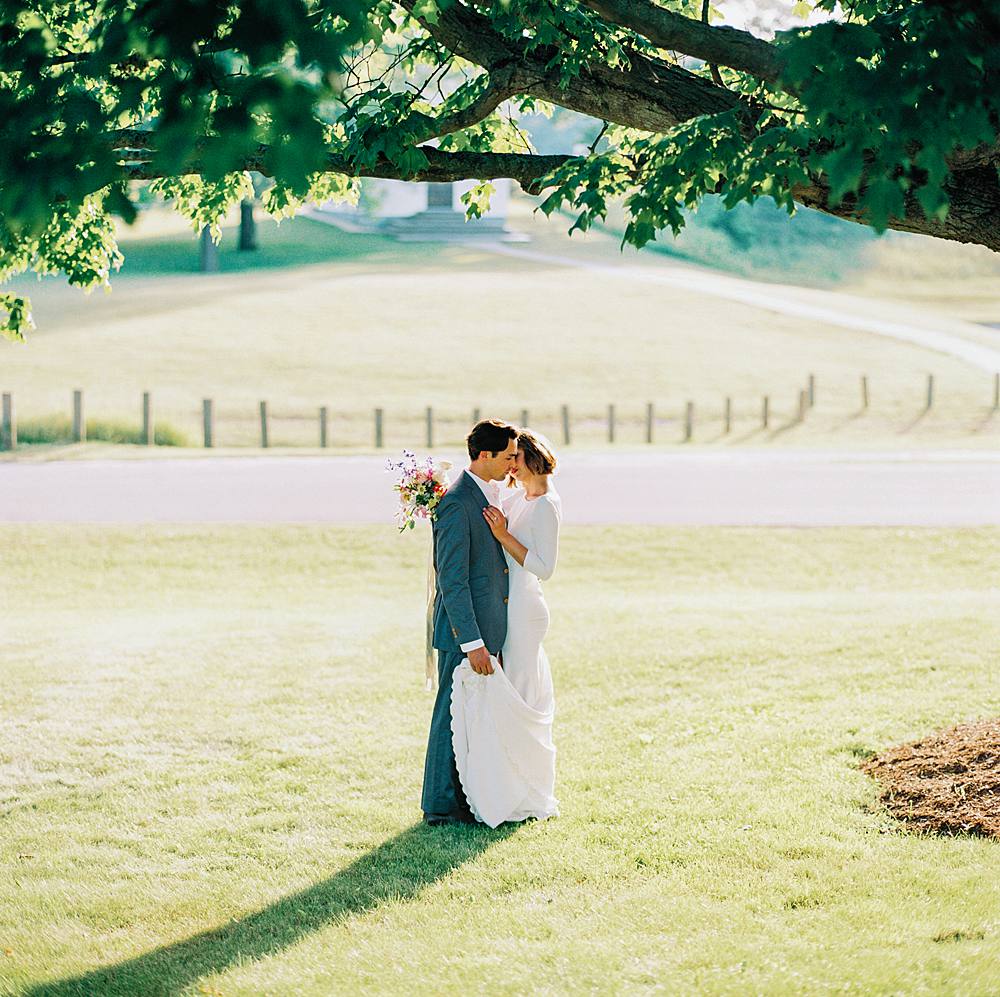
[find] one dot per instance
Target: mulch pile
(948, 783)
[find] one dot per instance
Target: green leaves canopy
(889, 117)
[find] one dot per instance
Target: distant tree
(888, 115)
(248, 206)
(208, 252)
(248, 227)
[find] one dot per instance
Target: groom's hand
(480, 661)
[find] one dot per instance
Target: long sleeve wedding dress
(502, 723)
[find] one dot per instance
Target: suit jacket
(471, 571)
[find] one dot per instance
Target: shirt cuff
(472, 645)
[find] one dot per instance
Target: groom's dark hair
(490, 435)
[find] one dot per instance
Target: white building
(422, 212)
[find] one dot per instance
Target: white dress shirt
(492, 493)
(489, 488)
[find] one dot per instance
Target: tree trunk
(209, 252)
(248, 227)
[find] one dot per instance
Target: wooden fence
(805, 400)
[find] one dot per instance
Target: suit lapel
(475, 495)
(473, 490)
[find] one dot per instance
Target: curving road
(954, 488)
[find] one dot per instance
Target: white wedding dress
(502, 723)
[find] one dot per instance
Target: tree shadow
(397, 870)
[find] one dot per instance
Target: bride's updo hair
(538, 455)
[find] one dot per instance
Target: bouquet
(421, 487)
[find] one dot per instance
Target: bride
(502, 723)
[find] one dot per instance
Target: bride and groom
(490, 755)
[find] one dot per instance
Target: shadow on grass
(985, 423)
(915, 421)
(785, 427)
(749, 434)
(397, 870)
(850, 420)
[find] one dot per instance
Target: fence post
(996, 392)
(378, 429)
(864, 391)
(765, 411)
(803, 404)
(79, 425)
(930, 391)
(611, 424)
(565, 424)
(8, 429)
(727, 416)
(323, 442)
(476, 415)
(524, 418)
(430, 427)
(650, 422)
(688, 421)
(148, 430)
(208, 421)
(263, 425)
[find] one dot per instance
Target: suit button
(506, 601)
(506, 571)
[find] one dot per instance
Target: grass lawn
(212, 743)
(955, 280)
(355, 322)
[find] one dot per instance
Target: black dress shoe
(439, 820)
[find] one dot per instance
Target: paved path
(829, 307)
(745, 488)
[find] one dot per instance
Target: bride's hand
(496, 521)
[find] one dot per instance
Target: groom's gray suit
(470, 605)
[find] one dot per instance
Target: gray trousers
(442, 795)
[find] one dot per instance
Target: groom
(470, 608)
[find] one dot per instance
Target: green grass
(761, 241)
(294, 243)
(213, 738)
(58, 429)
(953, 280)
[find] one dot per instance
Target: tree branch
(722, 46)
(502, 86)
(650, 95)
(714, 69)
(442, 167)
(973, 212)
